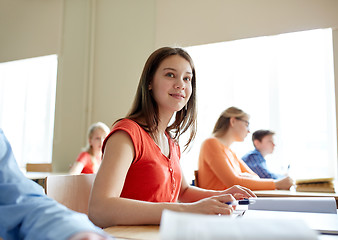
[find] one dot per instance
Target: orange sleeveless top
(152, 176)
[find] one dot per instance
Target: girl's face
(241, 127)
(171, 86)
(96, 140)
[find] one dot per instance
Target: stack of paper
(315, 185)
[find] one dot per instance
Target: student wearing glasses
(219, 167)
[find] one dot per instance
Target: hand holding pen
(244, 201)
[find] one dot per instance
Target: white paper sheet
(188, 226)
(296, 204)
(325, 223)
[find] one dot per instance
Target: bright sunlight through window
(27, 104)
(286, 84)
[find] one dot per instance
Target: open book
(296, 204)
(189, 226)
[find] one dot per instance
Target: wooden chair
(39, 167)
(196, 178)
(73, 191)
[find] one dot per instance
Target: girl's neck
(163, 122)
(226, 140)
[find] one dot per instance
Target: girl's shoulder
(83, 157)
(128, 125)
(211, 140)
(84, 154)
(125, 122)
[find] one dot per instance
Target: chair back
(196, 177)
(39, 167)
(73, 191)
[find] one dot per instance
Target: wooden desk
(143, 232)
(152, 232)
(293, 193)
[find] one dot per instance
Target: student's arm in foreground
(26, 212)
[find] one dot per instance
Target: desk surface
(152, 232)
(143, 232)
(293, 193)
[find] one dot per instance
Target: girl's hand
(239, 192)
(212, 205)
(284, 183)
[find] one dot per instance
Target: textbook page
(189, 226)
(296, 204)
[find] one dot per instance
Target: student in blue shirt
(27, 213)
(264, 145)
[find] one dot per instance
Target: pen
(241, 202)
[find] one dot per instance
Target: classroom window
(286, 84)
(27, 104)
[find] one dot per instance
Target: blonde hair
(223, 123)
(91, 130)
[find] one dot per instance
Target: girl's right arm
(76, 168)
(107, 208)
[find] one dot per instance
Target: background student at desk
(219, 167)
(89, 159)
(264, 145)
(140, 174)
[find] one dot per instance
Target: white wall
(29, 28)
(104, 46)
(194, 22)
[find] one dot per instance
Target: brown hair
(223, 123)
(144, 105)
(260, 134)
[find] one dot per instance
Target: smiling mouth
(177, 95)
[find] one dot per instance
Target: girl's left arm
(192, 194)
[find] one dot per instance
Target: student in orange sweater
(219, 168)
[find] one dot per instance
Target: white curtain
(27, 104)
(286, 84)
